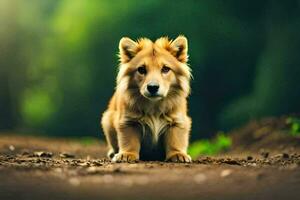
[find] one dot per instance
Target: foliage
(294, 123)
(210, 147)
(59, 63)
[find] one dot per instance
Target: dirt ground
(47, 168)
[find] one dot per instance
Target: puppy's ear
(179, 49)
(128, 49)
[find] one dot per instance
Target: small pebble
(225, 173)
(92, 170)
(43, 154)
(11, 147)
(66, 155)
(253, 164)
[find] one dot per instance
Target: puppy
(147, 116)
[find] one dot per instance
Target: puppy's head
(154, 70)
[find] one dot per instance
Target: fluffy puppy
(147, 116)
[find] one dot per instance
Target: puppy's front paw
(111, 153)
(125, 157)
(179, 157)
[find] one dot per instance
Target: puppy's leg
(176, 143)
(110, 134)
(129, 138)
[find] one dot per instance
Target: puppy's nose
(152, 88)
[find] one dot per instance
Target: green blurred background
(58, 59)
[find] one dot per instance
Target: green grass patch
(294, 124)
(210, 147)
(87, 141)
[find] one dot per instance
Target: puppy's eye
(142, 69)
(165, 69)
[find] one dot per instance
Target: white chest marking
(156, 125)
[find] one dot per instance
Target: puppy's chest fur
(153, 126)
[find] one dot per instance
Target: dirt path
(42, 168)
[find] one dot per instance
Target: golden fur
(140, 125)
